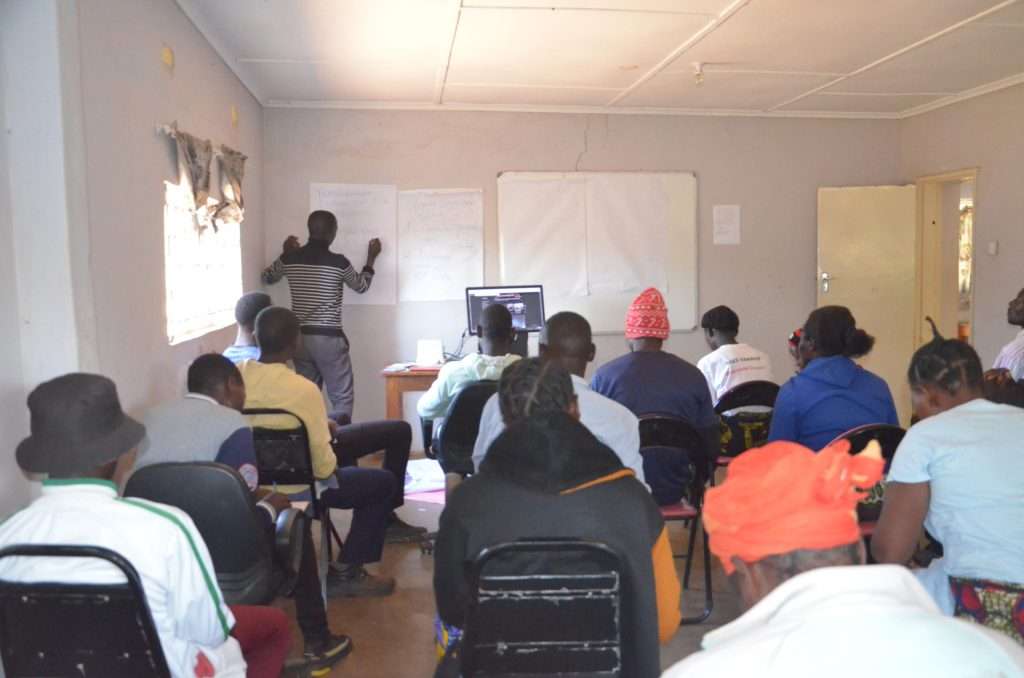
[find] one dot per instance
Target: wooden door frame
(927, 256)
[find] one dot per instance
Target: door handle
(826, 282)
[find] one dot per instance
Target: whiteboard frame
(607, 306)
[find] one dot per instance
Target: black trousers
(309, 603)
(355, 441)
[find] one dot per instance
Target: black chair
(61, 629)
(679, 435)
(220, 504)
(283, 457)
(544, 608)
(889, 438)
(454, 438)
(743, 430)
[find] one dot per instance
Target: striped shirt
(1012, 357)
(317, 279)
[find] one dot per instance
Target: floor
(393, 637)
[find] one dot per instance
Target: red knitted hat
(647, 316)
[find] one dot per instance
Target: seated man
(495, 354)
(730, 363)
(563, 483)
(84, 443)
(1011, 358)
(957, 473)
(649, 380)
(784, 528)
(247, 308)
(567, 340)
(1001, 388)
(270, 383)
(206, 425)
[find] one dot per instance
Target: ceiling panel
(1012, 15)
(826, 36)
(723, 90)
(972, 56)
(678, 6)
(853, 103)
(542, 47)
(530, 96)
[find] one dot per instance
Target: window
(202, 270)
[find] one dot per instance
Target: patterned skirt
(997, 605)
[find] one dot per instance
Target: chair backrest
(457, 433)
(283, 456)
(61, 629)
(220, 504)
(749, 393)
(545, 608)
(741, 431)
(679, 434)
(889, 437)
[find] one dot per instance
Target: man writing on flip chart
(317, 279)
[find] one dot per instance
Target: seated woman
(830, 394)
(958, 472)
(546, 475)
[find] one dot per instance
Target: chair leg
(689, 553)
(708, 595)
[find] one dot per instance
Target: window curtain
(194, 156)
(231, 208)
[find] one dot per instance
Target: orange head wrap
(783, 497)
(648, 316)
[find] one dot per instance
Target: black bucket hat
(77, 425)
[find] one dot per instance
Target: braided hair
(949, 364)
(534, 386)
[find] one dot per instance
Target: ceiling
(823, 58)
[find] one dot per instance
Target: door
(867, 254)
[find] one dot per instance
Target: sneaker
(399, 531)
(353, 581)
(321, 657)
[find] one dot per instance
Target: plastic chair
(62, 629)
(544, 608)
(220, 504)
(745, 430)
(283, 457)
(889, 438)
(456, 435)
(680, 435)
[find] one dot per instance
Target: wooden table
(397, 383)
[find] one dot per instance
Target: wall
(127, 92)
(772, 167)
(987, 133)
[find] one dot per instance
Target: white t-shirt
(731, 365)
(1012, 357)
(973, 457)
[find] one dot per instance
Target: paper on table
(542, 224)
(440, 244)
(726, 220)
(364, 211)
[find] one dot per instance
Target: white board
(440, 244)
(597, 239)
(364, 211)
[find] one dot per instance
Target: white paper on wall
(543, 234)
(726, 224)
(627, 233)
(364, 211)
(440, 244)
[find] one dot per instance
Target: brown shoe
(353, 581)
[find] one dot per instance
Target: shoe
(320, 658)
(399, 532)
(353, 581)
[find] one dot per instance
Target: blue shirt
(237, 354)
(827, 398)
(656, 382)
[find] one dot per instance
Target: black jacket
(550, 477)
